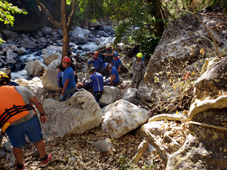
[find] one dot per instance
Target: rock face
(122, 117)
(182, 41)
(35, 68)
(75, 116)
(109, 95)
(205, 147)
(49, 80)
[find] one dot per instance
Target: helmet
(4, 79)
(92, 70)
(96, 53)
(115, 54)
(139, 55)
(105, 65)
(67, 59)
(108, 45)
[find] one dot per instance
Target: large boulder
(184, 41)
(205, 147)
(51, 53)
(80, 35)
(122, 117)
(130, 95)
(9, 35)
(79, 114)
(109, 95)
(35, 68)
(49, 79)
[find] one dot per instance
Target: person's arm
(64, 87)
(112, 78)
(39, 106)
(111, 54)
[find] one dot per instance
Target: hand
(92, 59)
(43, 119)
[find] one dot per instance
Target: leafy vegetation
(6, 13)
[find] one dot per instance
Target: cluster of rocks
(81, 40)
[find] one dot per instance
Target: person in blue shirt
(116, 61)
(96, 61)
(68, 79)
(96, 83)
(114, 76)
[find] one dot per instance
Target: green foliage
(136, 22)
(6, 11)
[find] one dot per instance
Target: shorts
(31, 128)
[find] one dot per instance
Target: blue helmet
(115, 54)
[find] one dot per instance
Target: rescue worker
(107, 54)
(96, 61)
(17, 118)
(68, 79)
(96, 83)
(116, 61)
(114, 76)
(138, 70)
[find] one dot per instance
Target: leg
(18, 153)
(139, 78)
(41, 148)
(133, 79)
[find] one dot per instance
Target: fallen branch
(207, 125)
(151, 138)
(181, 118)
(141, 149)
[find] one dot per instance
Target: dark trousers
(97, 95)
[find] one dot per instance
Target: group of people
(18, 116)
(106, 66)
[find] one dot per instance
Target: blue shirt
(97, 63)
(114, 72)
(96, 82)
(117, 63)
(69, 74)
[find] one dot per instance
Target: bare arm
(39, 106)
(65, 85)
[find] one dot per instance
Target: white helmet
(108, 45)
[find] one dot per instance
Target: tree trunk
(65, 29)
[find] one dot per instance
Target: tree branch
(50, 17)
(70, 18)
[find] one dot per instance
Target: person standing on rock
(138, 70)
(96, 83)
(117, 61)
(68, 79)
(96, 61)
(18, 117)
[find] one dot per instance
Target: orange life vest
(12, 102)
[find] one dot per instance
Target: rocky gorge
(171, 121)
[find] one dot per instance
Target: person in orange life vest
(17, 118)
(116, 61)
(68, 79)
